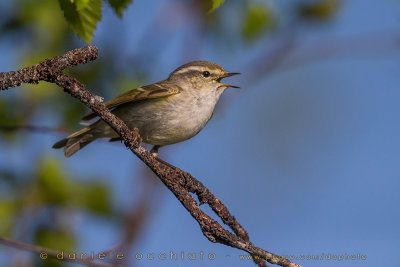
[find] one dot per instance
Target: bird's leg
(154, 150)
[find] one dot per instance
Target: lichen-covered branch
(179, 182)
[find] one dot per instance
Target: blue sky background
(306, 158)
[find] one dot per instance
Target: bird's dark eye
(206, 74)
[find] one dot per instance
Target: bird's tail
(75, 141)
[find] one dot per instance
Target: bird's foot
(154, 151)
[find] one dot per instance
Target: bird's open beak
(228, 74)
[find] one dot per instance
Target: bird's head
(201, 75)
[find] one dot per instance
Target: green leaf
(216, 4)
(59, 239)
(54, 184)
(82, 21)
(81, 4)
(258, 19)
(10, 116)
(8, 212)
(56, 187)
(96, 198)
(318, 10)
(48, 28)
(119, 6)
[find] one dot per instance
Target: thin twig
(180, 183)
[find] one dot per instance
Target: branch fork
(180, 183)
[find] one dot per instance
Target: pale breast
(169, 120)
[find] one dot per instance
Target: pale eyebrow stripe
(192, 68)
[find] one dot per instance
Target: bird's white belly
(168, 122)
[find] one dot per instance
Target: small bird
(165, 113)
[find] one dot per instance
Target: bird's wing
(156, 90)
